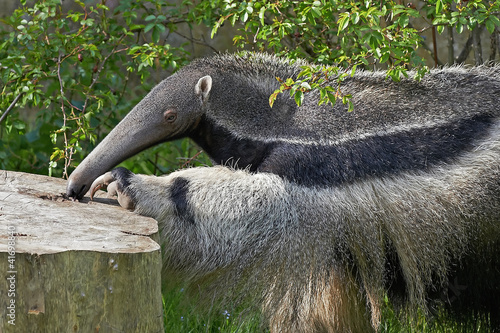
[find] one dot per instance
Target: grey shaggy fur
(321, 212)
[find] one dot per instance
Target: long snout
(128, 138)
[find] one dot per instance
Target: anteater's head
(170, 111)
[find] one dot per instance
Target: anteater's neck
(225, 148)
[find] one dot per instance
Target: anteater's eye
(170, 116)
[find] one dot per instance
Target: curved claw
(100, 182)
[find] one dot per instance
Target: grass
(180, 317)
(441, 322)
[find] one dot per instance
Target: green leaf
(343, 22)
(149, 27)
(160, 27)
(331, 97)
(216, 27)
(384, 57)
(353, 70)
(494, 19)
(19, 125)
(404, 20)
(262, 13)
(281, 31)
(136, 27)
(155, 36)
(101, 6)
(316, 11)
(355, 17)
(490, 24)
(299, 97)
(439, 6)
(272, 98)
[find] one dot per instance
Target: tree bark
(476, 45)
(493, 45)
(451, 45)
(465, 51)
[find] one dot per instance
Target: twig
(11, 106)
(191, 159)
(256, 34)
(197, 41)
(124, 89)
(425, 46)
(67, 156)
(430, 26)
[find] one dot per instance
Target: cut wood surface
(67, 266)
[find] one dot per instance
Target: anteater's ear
(202, 88)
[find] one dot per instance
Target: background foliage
(69, 73)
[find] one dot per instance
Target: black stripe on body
(416, 149)
(374, 156)
(179, 195)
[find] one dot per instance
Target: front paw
(117, 182)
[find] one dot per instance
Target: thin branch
(67, 156)
(197, 41)
(191, 159)
(430, 26)
(425, 46)
(11, 106)
(124, 88)
(73, 52)
(192, 39)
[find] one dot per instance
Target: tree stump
(66, 266)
